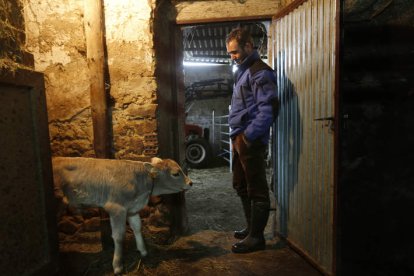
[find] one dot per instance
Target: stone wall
(129, 38)
(12, 37)
(56, 38)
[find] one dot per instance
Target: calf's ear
(155, 160)
(151, 170)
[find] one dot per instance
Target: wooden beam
(94, 31)
(287, 9)
(263, 17)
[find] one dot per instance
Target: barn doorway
(208, 80)
(213, 208)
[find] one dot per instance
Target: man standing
(253, 107)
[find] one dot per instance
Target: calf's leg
(117, 216)
(135, 223)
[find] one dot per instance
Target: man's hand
(248, 144)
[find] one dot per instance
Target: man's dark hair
(241, 35)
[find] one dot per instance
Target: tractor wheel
(198, 153)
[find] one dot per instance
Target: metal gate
(221, 137)
(304, 55)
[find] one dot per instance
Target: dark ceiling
(206, 43)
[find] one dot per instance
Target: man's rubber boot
(255, 240)
(247, 207)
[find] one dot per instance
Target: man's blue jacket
(254, 93)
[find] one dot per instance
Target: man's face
(237, 53)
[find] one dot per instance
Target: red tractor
(198, 149)
(198, 152)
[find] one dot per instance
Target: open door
(29, 240)
(304, 51)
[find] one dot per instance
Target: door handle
(330, 122)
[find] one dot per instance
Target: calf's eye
(176, 174)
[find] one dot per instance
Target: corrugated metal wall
(303, 45)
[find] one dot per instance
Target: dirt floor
(214, 211)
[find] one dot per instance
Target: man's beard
(240, 60)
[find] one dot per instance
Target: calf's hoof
(117, 265)
(143, 253)
(118, 270)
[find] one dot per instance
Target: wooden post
(94, 32)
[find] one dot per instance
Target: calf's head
(167, 176)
